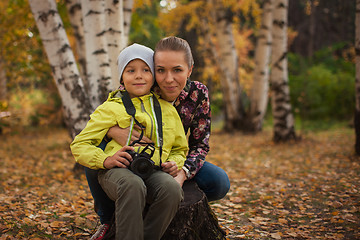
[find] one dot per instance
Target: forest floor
(299, 190)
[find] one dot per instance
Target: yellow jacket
(112, 112)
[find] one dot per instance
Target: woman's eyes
(175, 70)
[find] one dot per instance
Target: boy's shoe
(101, 232)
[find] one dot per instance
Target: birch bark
(115, 34)
(280, 93)
(66, 75)
(75, 16)
(260, 89)
(127, 11)
(228, 62)
(97, 58)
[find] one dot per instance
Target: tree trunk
(194, 220)
(228, 63)
(260, 88)
(67, 78)
(312, 28)
(127, 5)
(115, 35)
(75, 16)
(280, 93)
(97, 58)
(357, 79)
(3, 82)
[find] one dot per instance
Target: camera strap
(130, 109)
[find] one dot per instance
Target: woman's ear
(190, 71)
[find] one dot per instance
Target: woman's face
(171, 73)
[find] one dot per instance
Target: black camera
(142, 165)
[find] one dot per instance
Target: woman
(173, 67)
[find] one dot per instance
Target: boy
(129, 191)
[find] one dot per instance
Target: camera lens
(142, 167)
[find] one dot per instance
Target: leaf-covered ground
(299, 190)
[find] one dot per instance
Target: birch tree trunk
(357, 79)
(75, 16)
(115, 34)
(97, 58)
(127, 11)
(280, 94)
(228, 63)
(260, 89)
(76, 106)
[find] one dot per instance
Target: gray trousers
(131, 193)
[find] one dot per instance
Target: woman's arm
(120, 135)
(199, 128)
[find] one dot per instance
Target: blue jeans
(212, 180)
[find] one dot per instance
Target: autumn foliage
(298, 190)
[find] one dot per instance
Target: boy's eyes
(133, 70)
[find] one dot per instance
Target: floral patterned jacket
(193, 106)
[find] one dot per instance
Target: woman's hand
(120, 159)
(181, 177)
(170, 168)
(120, 135)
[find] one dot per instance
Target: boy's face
(137, 78)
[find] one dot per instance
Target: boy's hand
(120, 135)
(120, 159)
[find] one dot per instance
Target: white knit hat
(135, 51)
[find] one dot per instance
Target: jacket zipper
(151, 120)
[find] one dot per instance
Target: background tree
(315, 16)
(76, 104)
(217, 24)
(280, 93)
(3, 83)
(260, 89)
(357, 79)
(97, 52)
(102, 34)
(76, 21)
(221, 29)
